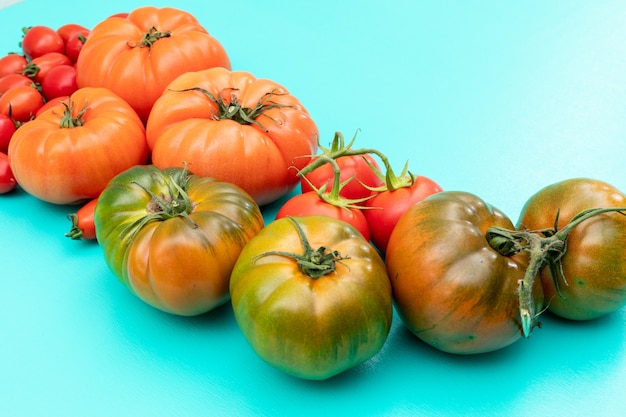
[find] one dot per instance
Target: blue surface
(499, 100)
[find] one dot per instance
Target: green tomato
(173, 238)
(311, 296)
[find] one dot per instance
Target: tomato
(56, 102)
(60, 81)
(234, 127)
(75, 43)
(137, 56)
(21, 103)
(355, 169)
(67, 30)
(13, 80)
(12, 64)
(69, 152)
(311, 296)
(387, 206)
(7, 128)
(450, 287)
(593, 281)
(82, 222)
(310, 203)
(40, 40)
(173, 238)
(39, 67)
(7, 180)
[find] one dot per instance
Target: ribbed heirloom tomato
(593, 278)
(137, 55)
(235, 127)
(172, 237)
(69, 153)
(450, 287)
(311, 296)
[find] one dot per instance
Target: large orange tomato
(69, 152)
(138, 55)
(235, 127)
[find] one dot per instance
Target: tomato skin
(385, 208)
(263, 160)
(12, 64)
(7, 180)
(13, 80)
(310, 203)
(354, 167)
(54, 102)
(7, 129)
(311, 328)
(450, 288)
(40, 40)
(59, 82)
(21, 103)
(67, 30)
(68, 165)
(83, 226)
(594, 264)
(114, 46)
(178, 265)
(39, 67)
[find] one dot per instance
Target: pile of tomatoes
(172, 164)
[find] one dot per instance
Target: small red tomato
(7, 128)
(385, 209)
(354, 168)
(12, 64)
(7, 180)
(21, 103)
(40, 40)
(66, 31)
(82, 222)
(52, 103)
(59, 82)
(310, 203)
(75, 43)
(39, 67)
(13, 80)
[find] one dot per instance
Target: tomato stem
(545, 247)
(68, 120)
(314, 263)
(149, 38)
(339, 149)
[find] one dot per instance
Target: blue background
(495, 98)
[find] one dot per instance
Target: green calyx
(68, 120)
(232, 109)
(314, 263)
(174, 203)
(149, 38)
(546, 247)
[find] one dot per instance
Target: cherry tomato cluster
(42, 71)
(348, 184)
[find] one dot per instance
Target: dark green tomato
(450, 287)
(311, 296)
(593, 281)
(173, 238)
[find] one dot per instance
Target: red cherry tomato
(82, 222)
(385, 209)
(21, 103)
(75, 43)
(40, 40)
(12, 64)
(7, 128)
(310, 203)
(39, 67)
(355, 167)
(60, 81)
(7, 180)
(51, 103)
(13, 80)
(66, 31)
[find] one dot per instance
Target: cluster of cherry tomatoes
(41, 72)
